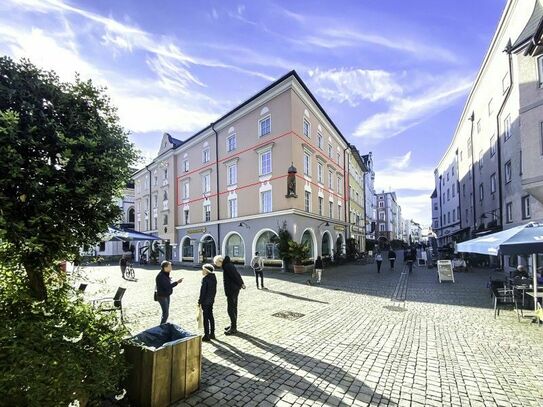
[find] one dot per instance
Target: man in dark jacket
(122, 264)
(206, 300)
(232, 284)
(164, 288)
(391, 258)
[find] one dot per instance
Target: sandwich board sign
(445, 270)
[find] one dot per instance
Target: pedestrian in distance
(164, 289)
(233, 283)
(319, 268)
(391, 258)
(409, 260)
(122, 264)
(257, 264)
(379, 261)
(208, 290)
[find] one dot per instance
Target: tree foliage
(64, 159)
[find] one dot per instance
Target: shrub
(56, 350)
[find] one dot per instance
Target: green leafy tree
(64, 158)
(282, 241)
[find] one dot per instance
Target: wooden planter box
(299, 269)
(162, 376)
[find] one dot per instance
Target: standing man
(232, 284)
(410, 260)
(257, 264)
(164, 289)
(391, 258)
(122, 264)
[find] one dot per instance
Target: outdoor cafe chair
(114, 303)
(505, 297)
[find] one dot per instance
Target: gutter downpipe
(472, 120)
(346, 198)
(218, 195)
(498, 136)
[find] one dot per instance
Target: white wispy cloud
(406, 112)
(355, 85)
(399, 162)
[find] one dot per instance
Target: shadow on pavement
(271, 375)
(295, 297)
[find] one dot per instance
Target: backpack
(255, 264)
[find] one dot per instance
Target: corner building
(229, 188)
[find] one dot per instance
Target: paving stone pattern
(353, 346)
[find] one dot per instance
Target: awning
(126, 235)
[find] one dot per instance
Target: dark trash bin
(165, 365)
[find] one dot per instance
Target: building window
(319, 140)
(540, 71)
(509, 212)
(165, 220)
(307, 128)
(155, 201)
(231, 143)
(381, 228)
(186, 216)
(207, 213)
(338, 156)
(331, 209)
(453, 189)
(321, 202)
(339, 185)
(205, 155)
(319, 173)
(493, 183)
(492, 146)
(464, 190)
(526, 206)
(467, 213)
(508, 172)
(155, 181)
(382, 216)
(232, 174)
(307, 201)
(454, 215)
(481, 156)
(186, 166)
(206, 183)
(307, 164)
(265, 126)
(469, 147)
(507, 127)
(330, 150)
(339, 210)
(266, 201)
(505, 83)
(436, 224)
(444, 219)
(233, 207)
(448, 194)
(490, 107)
(448, 217)
(265, 162)
(481, 192)
(381, 204)
(186, 190)
(330, 180)
(478, 126)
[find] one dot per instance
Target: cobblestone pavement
(353, 345)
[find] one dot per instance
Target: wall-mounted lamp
(323, 224)
(243, 224)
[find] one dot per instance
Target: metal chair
(502, 297)
(114, 303)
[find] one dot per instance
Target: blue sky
(393, 75)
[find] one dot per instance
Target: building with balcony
(388, 218)
(277, 160)
(371, 202)
(357, 200)
(496, 151)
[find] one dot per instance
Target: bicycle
(129, 273)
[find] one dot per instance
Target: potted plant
(283, 245)
(298, 253)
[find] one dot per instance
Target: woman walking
(391, 258)
(379, 261)
(319, 268)
(206, 300)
